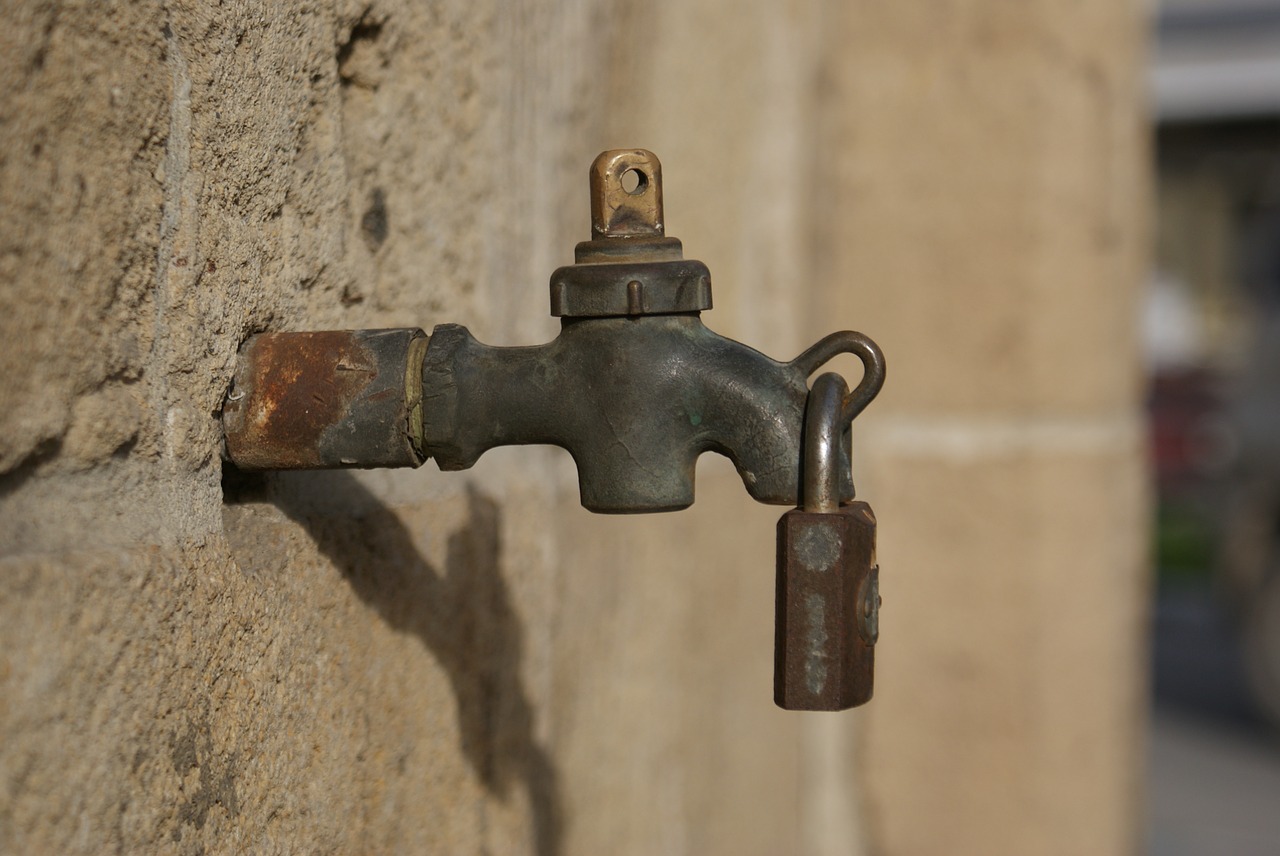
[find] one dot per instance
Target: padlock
(828, 598)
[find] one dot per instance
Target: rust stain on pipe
(341, 398)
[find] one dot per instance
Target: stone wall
(469, 663)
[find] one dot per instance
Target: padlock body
(827, 608)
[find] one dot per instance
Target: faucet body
(635, 387)
(635, 401)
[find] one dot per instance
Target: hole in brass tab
(634, 181)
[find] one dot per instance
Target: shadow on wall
(463, 616)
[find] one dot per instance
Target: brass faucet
(635, 387)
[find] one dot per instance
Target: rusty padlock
(828, 598)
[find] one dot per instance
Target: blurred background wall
(469, 663)
(994, 237)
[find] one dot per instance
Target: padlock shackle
(824, 426)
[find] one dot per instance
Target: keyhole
(634, 182)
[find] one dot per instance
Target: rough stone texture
(468, 663)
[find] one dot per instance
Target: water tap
(635, 387)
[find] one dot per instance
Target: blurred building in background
(1213, 313)
(1212, 337)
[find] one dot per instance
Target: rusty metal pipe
(338, 398)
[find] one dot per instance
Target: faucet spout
(635, 401)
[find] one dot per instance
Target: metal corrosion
(342, 398)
